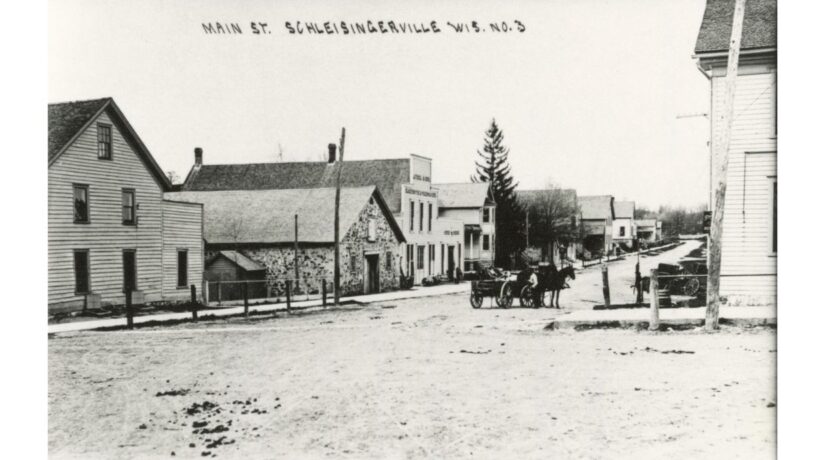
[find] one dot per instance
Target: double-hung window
(81, 203)
(128, 207)
(104, 142)
(411, 215)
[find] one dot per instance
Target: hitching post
(323, 289)
(605, 276)
(194, 303)
(653, 301)
(288, 295)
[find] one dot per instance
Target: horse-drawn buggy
(503, 287)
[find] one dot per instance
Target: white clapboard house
(750, 245)
(110, 228)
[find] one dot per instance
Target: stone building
(432, 244)
(262, 227)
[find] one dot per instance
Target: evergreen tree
(493, 167)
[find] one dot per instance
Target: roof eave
(81, 130)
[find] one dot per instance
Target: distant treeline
(676, 220)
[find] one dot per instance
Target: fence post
(204, 292)
(194, 303)
(639, 286)
(605, 276)
(129, 313)
(246, 299)
(323, 292)
(653, 302)
(288, 295)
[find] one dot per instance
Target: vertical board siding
(748, 267)
(182, 229)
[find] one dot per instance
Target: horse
(557, 280)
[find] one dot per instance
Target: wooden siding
(748, 266)
(104, 236)
(182, 229)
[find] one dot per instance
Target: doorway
(129, 270)
(372, 279)
(450, 266)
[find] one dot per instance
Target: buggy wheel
(527, 297)
(691, 287)
(504, 299)
(476, 299)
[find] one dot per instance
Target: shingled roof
(596, 207)
(528, 197)
(387, 175)
(268, 216)
(624, 209)
(66, 120)
(759, 26)
(465, 195)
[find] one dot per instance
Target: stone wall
(317, 262)
(355, 243)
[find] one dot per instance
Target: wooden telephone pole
(714, 281)
(337, 218)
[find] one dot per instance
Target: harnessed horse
(557, 280)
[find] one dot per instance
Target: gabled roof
(67, 120)
(387, 175)
(238, 259)
(596, 207)
(646, 222)
(624, 209)
(466, 195)
(528, 197)
(759, 26)
(268, 216)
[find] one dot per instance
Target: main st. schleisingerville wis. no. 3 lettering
(363, 27)
(234, 28)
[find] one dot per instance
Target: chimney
(332, 152)
(198, 156)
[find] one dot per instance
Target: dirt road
(422, 378)
(587, 289)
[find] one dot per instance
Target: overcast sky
(587, 95)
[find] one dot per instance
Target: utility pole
(714, 281)
(337, 218)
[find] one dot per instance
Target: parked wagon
(494, 283)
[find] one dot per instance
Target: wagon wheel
(476, 299)
(504, 298)
(691, 287)
(527, 297)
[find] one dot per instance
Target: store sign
(412, 191)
